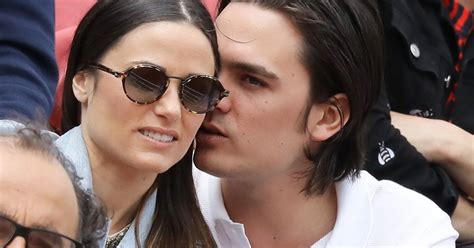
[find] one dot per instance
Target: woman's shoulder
(72, 145)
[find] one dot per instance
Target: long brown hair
(177, 221)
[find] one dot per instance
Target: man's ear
(328, 118)
(82, 86)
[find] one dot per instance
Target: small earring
(338, 106)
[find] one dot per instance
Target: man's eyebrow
(5, 214)
(12, 216)
(253, 69)
(45, 226)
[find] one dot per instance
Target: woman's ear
(82, 86)
(328, 118)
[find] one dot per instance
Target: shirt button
(415, 51)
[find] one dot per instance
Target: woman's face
(150, 137)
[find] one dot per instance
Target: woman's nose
(169, 105)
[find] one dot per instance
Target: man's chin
(204, 161)
(209, 163)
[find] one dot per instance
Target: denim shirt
(73, 147)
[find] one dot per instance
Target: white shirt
(370, 213)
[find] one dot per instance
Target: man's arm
(441, 142)
(28, 71)
(392, 157)
(463, 219)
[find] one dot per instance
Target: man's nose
(18, 242)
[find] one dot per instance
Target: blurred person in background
(42, 204)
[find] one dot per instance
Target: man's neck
(276, 213)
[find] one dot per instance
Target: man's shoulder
(386, 191)
(386, 195)
(402, 213)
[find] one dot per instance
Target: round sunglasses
(35, 238)
(145, 84)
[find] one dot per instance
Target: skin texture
(120, 155)
(30, 201)
(254, 140)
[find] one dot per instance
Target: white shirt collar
(354, 212)
(352, 197)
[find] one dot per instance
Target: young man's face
(259, 130)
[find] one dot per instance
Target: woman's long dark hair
(177, 220)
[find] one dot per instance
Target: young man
(287, 146)
(41, 204)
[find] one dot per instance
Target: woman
(138, 83)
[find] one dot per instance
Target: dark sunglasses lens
(39, 239)
(145, 84)
(7, 229)
(201, 94)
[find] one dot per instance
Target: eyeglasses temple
(106, 69)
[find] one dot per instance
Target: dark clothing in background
(28, 71)
(421, 53)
